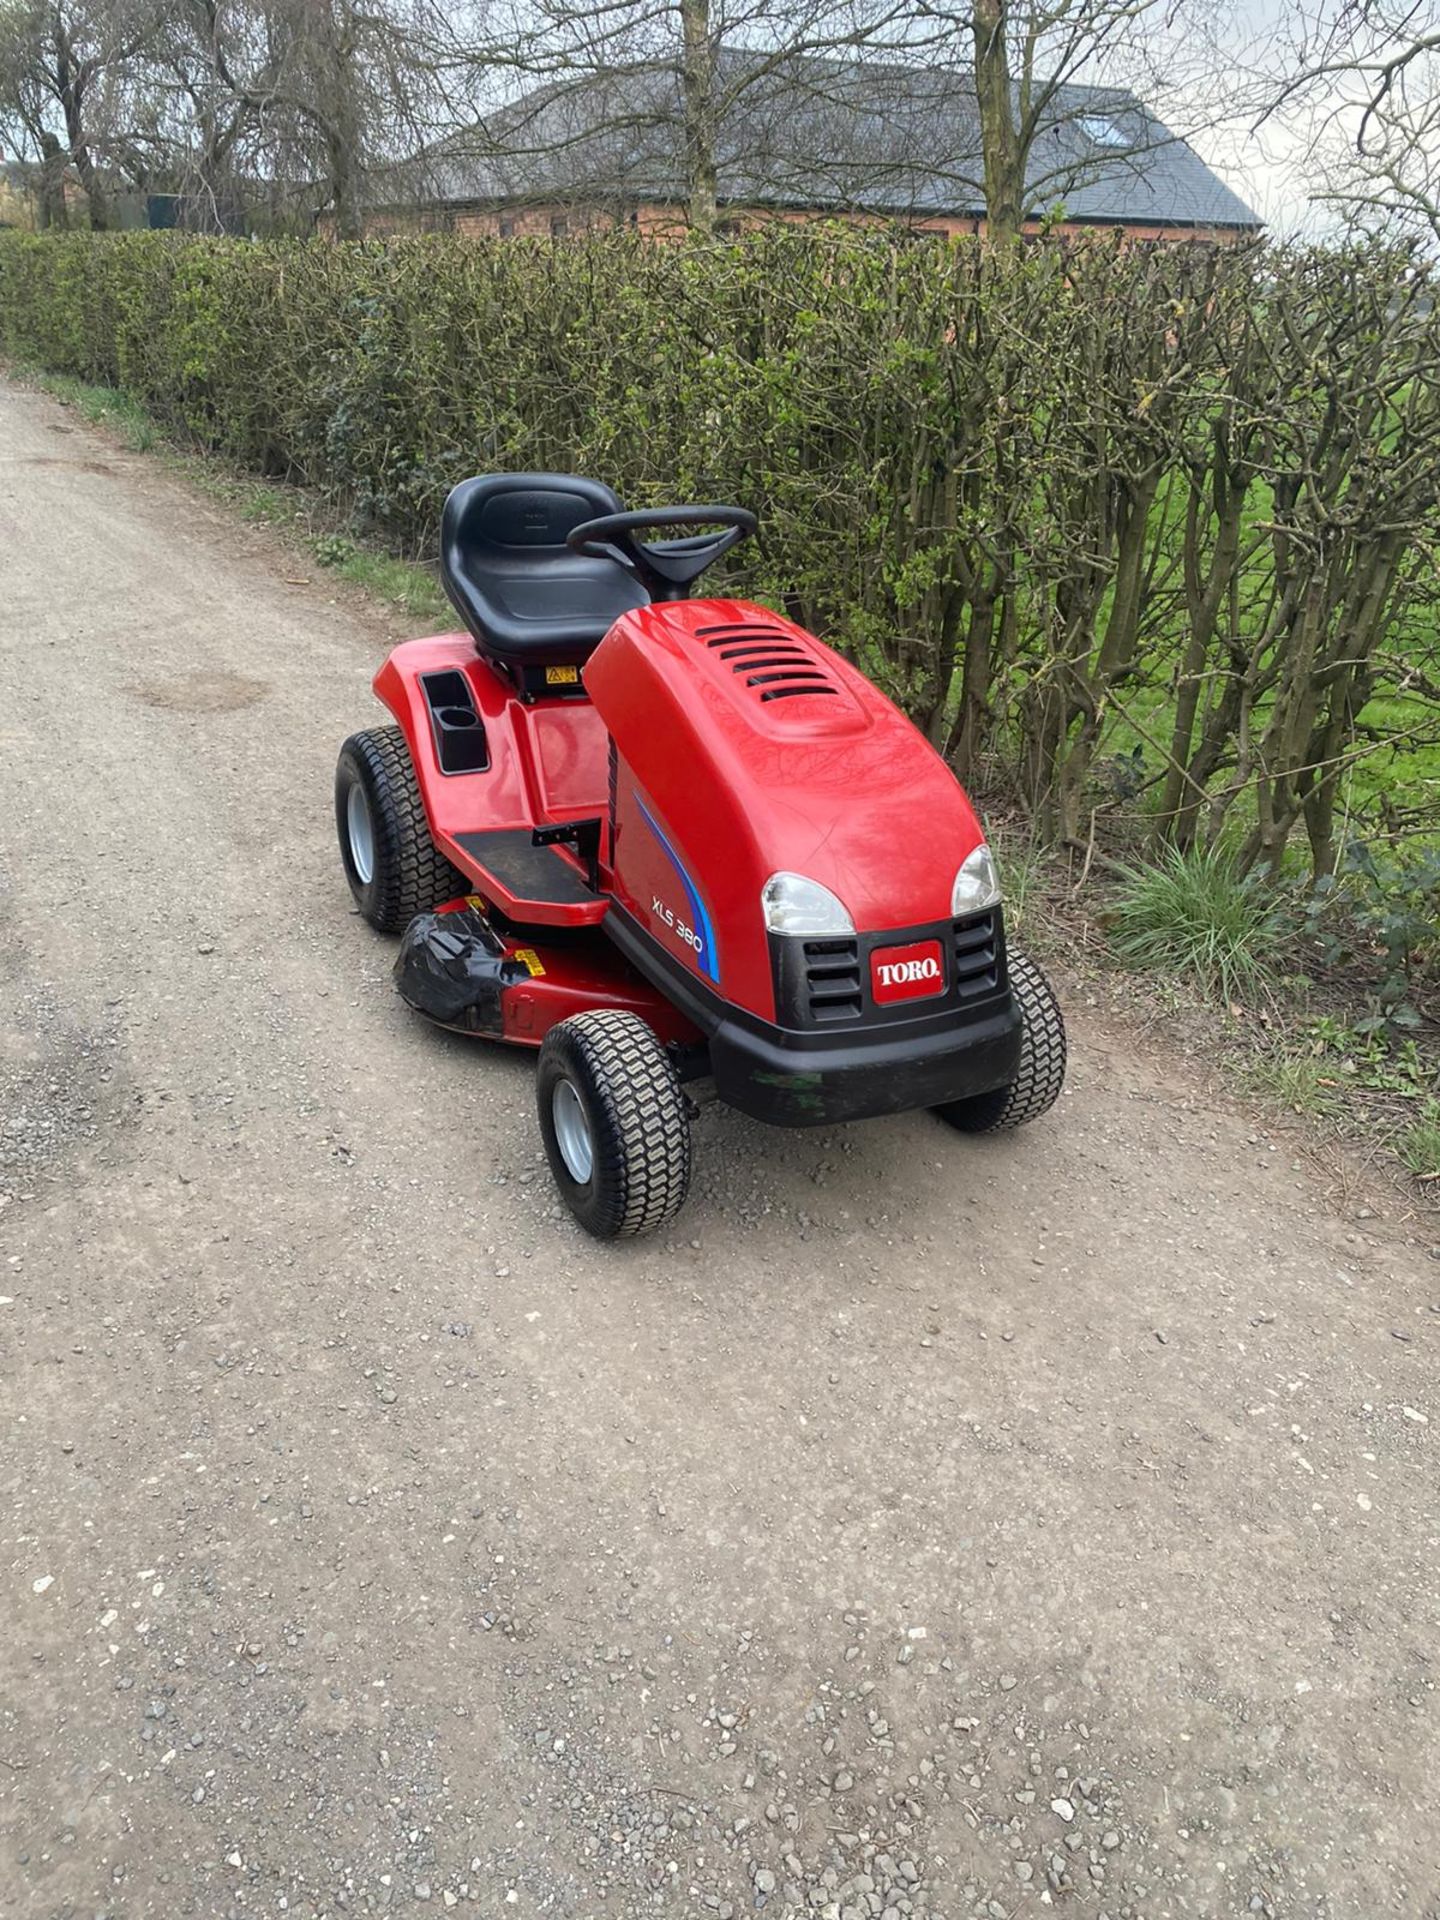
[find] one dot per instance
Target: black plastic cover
(452, 967)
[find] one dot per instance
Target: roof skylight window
(1102, 131)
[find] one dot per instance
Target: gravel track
(925, 1526)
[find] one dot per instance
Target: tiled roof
(829, 134)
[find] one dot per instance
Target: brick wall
(667, 221)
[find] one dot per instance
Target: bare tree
(24, 122)
(216, 72)
(897, 108)
(1072, 91)
(307, 97)
(644, 96)
(1357, 85)
(65, 70)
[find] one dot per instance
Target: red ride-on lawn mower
(676, 844)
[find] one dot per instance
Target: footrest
(539, 876)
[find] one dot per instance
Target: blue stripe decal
(706, 956)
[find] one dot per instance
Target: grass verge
(1418, 1145)
(400, 583)
(105, 407)
(1288, 1031)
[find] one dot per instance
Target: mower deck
(465, 973)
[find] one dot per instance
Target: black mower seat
(526, 598)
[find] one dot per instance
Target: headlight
(977, 884)
(793, 904)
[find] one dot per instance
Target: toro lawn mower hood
(756, 750)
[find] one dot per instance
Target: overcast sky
(1276, 163)
(1269, 168)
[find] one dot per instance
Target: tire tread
(642, 1125)
(1041, 1072)
(411, 874)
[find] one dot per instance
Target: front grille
(831, 983)
(825, 983)
(977, 960)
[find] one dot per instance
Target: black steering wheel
(666, 568)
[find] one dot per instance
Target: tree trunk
(208, 206)
(70, 90)
(96, 193)
(53, 213)
(698, 83)
(1001, 147)
(344, 183)
(338, 119)
(968, 734)
(1203, 601)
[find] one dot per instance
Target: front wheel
(1041, 1073)
(614, 1122)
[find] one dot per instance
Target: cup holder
(459, 732)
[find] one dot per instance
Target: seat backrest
(510, 510)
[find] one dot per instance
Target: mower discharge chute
(675, 843)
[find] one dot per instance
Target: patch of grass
(1193, 916)
(1357, 1085)
(1022, 867)
(404, 583)
(104, 407)
(1418, 1145)
(1371, 1059)
(1298, 1082)
(263, 504)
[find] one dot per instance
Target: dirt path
(928, 1527)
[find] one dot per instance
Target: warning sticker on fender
(562, 676)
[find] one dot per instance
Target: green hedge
(1154, 525)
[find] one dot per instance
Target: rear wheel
(1041, 1073)
(394, 868)
(614, 1122)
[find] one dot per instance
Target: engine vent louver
(977, 965)
(772, 665)
(832, 981)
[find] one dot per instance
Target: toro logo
(907, 973)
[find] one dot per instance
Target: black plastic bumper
(816, 1079)
(861, 1076)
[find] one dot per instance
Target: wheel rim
(572, 1132)
(360, 831)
